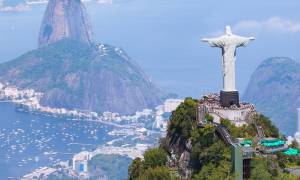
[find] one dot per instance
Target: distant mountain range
(74, 72)
(274, 88)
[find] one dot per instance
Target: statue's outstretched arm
(214, 42)
(243, 41)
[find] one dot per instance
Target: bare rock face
(179, 156)
(65, 19)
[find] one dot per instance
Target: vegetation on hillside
(269, 128)
(268, 168)
(183, 121)
(210, 158)
(115, 167)
(152, 167)
(245, 131)
(209, 155)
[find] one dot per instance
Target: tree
(155, 157)
(209, 118)
(158, 173)
(183, 121)
(135, 169)
(294, 144)
(214, 154)
(286, 176)
(259, 170)
(204, 136)
(212, 172)
(245, 131)
(269, 129)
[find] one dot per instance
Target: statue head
(228, 30)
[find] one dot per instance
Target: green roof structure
(272, 142)
(246, 143)
(292, 152)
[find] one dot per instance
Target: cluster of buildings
(29, 100)
(105, 1)
(80, 163)
(168, 106)
(40, 173)
(78, 166)
(12, 93)
(115, 117)
(297, 134)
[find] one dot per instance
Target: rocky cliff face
(274, 88)
(74, 75)
(65, 19)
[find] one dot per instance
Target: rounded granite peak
(277, 60)
(65, 19)
(275, 90)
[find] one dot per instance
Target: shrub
(158, 173)
(155, 157)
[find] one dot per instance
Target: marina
(31, 141)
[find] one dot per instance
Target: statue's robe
(229, 43)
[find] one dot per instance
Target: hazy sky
(163, 36)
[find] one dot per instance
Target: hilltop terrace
(213, 101)
(237, 115)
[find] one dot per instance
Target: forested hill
(191, 152)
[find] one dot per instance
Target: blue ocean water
(30, 141)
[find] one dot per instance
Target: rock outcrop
(65, 19)
(274, 88)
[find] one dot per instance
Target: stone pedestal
(229, 98)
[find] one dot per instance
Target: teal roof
(246, 143)
(272, 142)
(292, 152)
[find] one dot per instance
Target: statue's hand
(205, 40)
(251, 38)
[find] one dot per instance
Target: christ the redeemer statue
(229, 43)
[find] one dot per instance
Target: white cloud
(272, 24)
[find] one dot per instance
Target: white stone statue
(229, 43)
